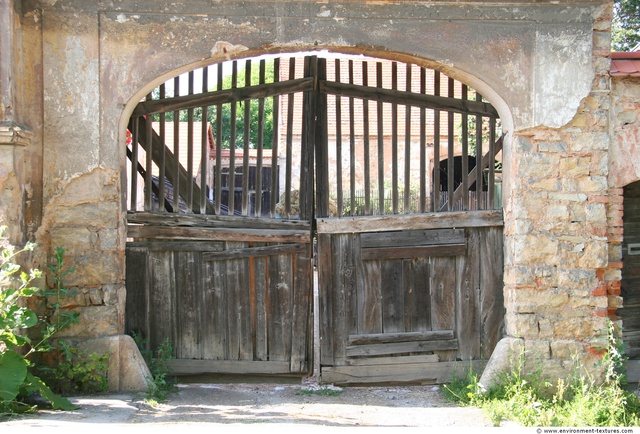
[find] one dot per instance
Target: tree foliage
(625, 31)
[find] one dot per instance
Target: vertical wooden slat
(392, 296)
(410, 311)
(325, 298)
(394, 140)
(479, 153)
(135, 136)
(442, 283)
(492, 166)
(245, 311)
(261, 285)
(436, 147)
(214, 329)
(367, 158)
(138, 280)
(232, 143)
(423, 144)
(280, 296)
(274, 193)
(162, 299)
(218, 139)
(190, 168)
(260, 144)
(247, 142)
(148, 164)
(339, 192)
(162, 169)
(467, 299)
(421, 295)
(450, 151)
(407, 148)
(380, 144)
(352, 147)
(289, 151)
(204, 148)
(342, 291)
(491, 288)
(176, 148)
(301, 310)
(465, 155)
(188, 284)
(370, 298)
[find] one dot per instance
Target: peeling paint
(226, 48)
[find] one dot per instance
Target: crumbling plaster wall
(544, 65)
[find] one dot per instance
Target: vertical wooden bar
(247, 142)
(436, 147)
(339, 192)
(162, 169)
(135, 136)
(407, 148)
(318, 67)
(423, 144)
(479, 153)
(289, 152)
(204, 148)
(394, 140)
(352, 147)
(365, 129)
(274, 193)
(380, 144)
(232, 143)
(492, 165)
(148, 180)
(467, 298)
(190, 198)
(218, 172)
(450, 151)
(465, 154)
(176, 148)
(260, 144)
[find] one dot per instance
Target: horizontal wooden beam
(401, 347)
(190, 367)
(213, 221)
(223, 96)
(177, 246)
(414, 252)
(222, 234)
(412, 238)
(409, 98)
(254, 252)
(416, 373)
(393, 360)
(378, 338)
(437, 220)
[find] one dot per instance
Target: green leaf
(57, 402)
(13, 371)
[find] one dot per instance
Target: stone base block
(127, 368)
(504, 355)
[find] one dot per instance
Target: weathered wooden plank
(392, 284)
(369, 296)
(224, 96)
(260, 287)
(418, 373)
(413, 252)
(233, 290)
(188, 301)
(218, 234)
(367, 156)
(421, 295)
(401, 347)
(394, 141)
(162, 300)
(245, 311)
(325, 298)
(410, 99)
(455, 219)
(413, 238)
(177, 246)
(321, 163)
(443, 298)
(492, 308)
(205, 221)
(137, 278)
(301, 323)
(468, 298)
(215, 311)
(344, 291)
(280, 302)
(255, 252)
(378, 338)
(191, 367)
(397, 361)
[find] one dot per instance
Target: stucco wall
(543, 65)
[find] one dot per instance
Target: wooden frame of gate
(409, 251)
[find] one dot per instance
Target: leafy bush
(579, 401)
(161, 384)
(16, 346)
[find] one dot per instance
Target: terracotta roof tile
(625, 64)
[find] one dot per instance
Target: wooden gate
(373, 160)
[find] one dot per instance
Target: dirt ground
(278, 407)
